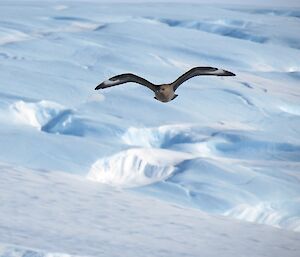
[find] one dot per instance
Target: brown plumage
(163, 92)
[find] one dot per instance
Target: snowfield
(99, 173)
(56, 213)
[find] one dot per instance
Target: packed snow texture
(53, 214)
(17, 251)
(227, 146)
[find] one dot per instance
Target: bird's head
(163, 88)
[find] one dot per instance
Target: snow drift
(38, 114)
(215, 181)
(47, 116)
(136, 167)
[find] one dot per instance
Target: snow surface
(52, 213)
(225, 146)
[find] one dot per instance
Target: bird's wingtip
(98, 87)
(228, 73)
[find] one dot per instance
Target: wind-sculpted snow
(282, 214)
(201, 181)
(53, 212)
(162, 137)
(248, 29)
(136, 167)
(229, 28)
(37, 114)
(272, 12)
(225, 146)
(48, 117)
(8, 36)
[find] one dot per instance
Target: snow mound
(75, 24)
(163, 136)
(211, 180)
(266, 213)
(37, 114)
(223, 141)
(136, 167)
(82, 26)
(47, 116)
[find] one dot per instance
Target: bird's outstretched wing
(124, 78)
(197, 71)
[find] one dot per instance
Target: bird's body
(163, 92)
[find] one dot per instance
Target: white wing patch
(111, 82)
(218, 72)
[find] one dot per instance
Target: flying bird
(163, 92)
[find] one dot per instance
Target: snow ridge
(47, 116)
(136, 167)
(190, 163)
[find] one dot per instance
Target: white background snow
(115, 172)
